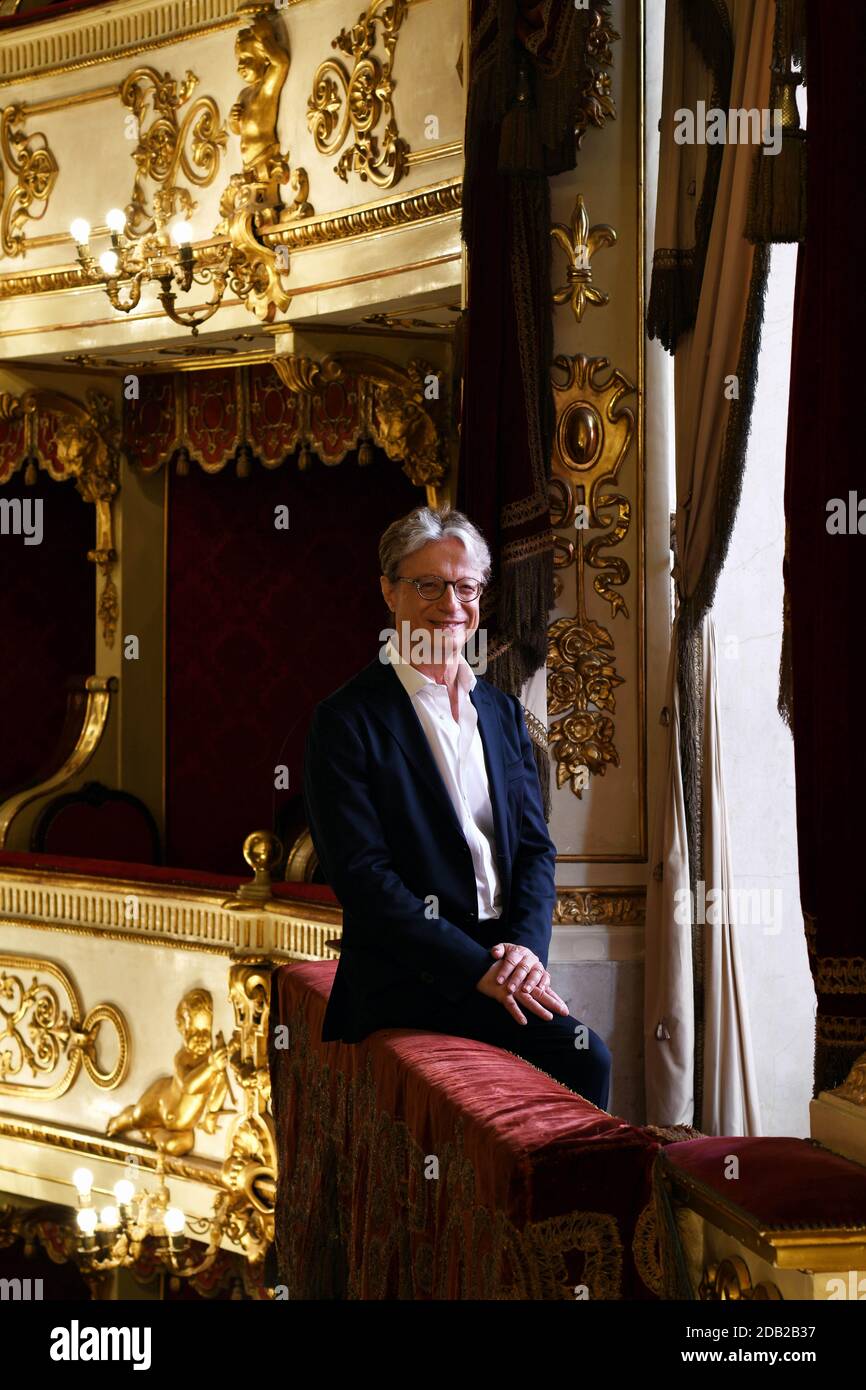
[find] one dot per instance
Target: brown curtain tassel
(520, 136)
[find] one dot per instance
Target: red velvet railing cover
(537, 1192)
(164, 876)
(56, 11)
(784, 1182)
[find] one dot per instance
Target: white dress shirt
(459, 755)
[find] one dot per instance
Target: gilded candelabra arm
(189, 318)
(114, 288)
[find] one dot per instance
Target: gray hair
(409, 533)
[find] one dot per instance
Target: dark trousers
(561, 1046)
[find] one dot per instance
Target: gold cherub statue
(263, 62)
(173, 1106)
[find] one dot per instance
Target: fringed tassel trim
(672, 304)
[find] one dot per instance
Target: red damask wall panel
(47, 625)
(262, 624)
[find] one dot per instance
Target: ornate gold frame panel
(593, 433)
(191, 145)
(53, 1033)
(87, 449)
(30, 159)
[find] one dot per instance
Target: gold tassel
(777, 210)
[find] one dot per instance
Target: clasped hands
(517, 974)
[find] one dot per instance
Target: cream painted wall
(757, 745)
(599, 969)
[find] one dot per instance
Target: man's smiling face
(448, 620)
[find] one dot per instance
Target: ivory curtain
(705, 306)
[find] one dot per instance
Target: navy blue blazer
(389, 841)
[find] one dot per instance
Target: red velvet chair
(98, 822)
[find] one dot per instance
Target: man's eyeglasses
(432, 587)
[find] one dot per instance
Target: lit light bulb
(87, 1220)
(124, 1192)
(109, 1217)
(174, 1221)
(109, 261)
(83, 1179)
(80, 230)
(115, 220)
(182, 232)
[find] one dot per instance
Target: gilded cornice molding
(589, 907)
(115, 30)
(421, 206)
(73, 1141)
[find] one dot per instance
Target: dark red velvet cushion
(782, 1182)
(77, 866)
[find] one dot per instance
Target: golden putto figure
(263, 62)
(174, 1106)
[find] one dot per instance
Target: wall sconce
(115, 1236)
(165, 256)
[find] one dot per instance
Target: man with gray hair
(425, 811)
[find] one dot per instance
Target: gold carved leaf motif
(171, 142)
(35, 168)
(359, 100)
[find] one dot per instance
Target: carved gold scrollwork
(394, 410)
(194, 1097)
(32, 162)
(87, 448)
(593, 433)
(587, 906)
(169, 147)
(853, 1088)
(250, 1168)
(729, 1280)
(361, 99)
(38, 1035)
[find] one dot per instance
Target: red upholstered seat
(418, 1165)
(782, 1184)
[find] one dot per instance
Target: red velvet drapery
(826, 576)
